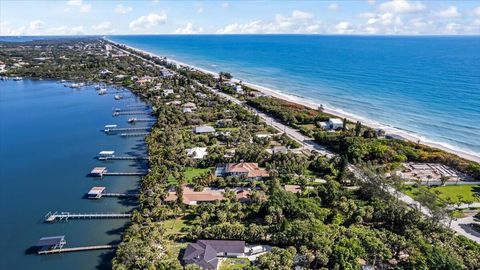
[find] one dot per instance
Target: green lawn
(175, 226)
(309, 126)
(234, 263)
(190, 173)
(455, 192)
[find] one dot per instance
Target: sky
(363, 17)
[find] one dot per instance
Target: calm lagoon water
(49, 137)
(426, 86)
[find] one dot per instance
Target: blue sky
(76, 17)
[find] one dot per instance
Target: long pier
(135, 120)
(131, 113)
(137, 106)
(124, 174)
(133, 134)
(129, 109)
(123, 158)
(52, 217)
(73, 249)
(114, 130)
(120, 195)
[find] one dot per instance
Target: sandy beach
(339, 113)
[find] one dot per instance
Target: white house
(203, 129)
(335, 123)
(197, 152)
(239, 89)
(167, 92)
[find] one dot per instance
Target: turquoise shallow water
(49, 136)
(427, 86)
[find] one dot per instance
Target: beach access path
(456, 225)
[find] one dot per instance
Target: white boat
(132, 120)
(102, 91)
(118, 97)
(17, 78)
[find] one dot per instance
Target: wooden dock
(128, 109)
(120, 195)
(123, 158)
(124, 174)
(114, 130)
(52, 217)
(74, 249)
(137, 106)
(135, 120)
(134, 134)
(131, 113)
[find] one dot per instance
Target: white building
(239, 89)
(167, 92)
(334, 123)
(197, 152)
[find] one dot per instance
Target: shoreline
(333, 111)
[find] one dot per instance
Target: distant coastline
(342, 114)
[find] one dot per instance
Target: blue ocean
(426, 86)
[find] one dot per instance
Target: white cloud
(334, 7)
(453, 28)
(36, 25)
(77, 5)
(189, 29)
(85, 8)
(103, 28)
(148, 21)
(299, 22)
(121, 9)
(200, 10)
(301, 15)
(225, 5)
(476, 11)
(450, 12)
(401, 6)
(66, 30)
(367, 15)
(74, 3)
(344, 28)
(76, 30)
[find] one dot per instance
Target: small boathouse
(51, 243)
(95, 192)
(98, 171)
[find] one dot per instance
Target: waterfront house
(203, 129)
(197, 152)
(331, 124)
(206, 253)
(145, 80)
(192, 197)
(249, 170)
(335, 123)
(239, 89)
